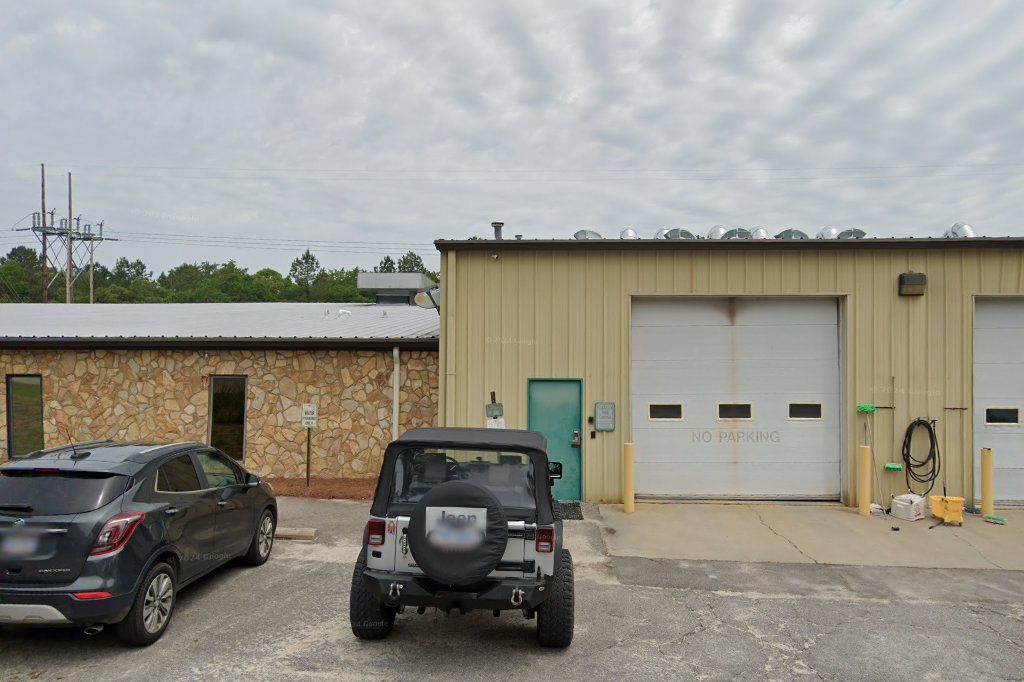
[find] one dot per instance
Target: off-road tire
(556, 510)
(256, 556)
(555, 615)
(132, 629)
(369, 618)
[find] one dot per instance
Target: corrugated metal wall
(512, 315)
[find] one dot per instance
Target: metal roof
(878, 243)
(220, 325)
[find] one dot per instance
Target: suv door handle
(222, 503)
(171, 511)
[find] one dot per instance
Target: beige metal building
(737, 366)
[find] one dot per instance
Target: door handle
(171, 511)
(222, 503)
(576, 438)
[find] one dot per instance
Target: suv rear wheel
(152, 609)
(555, 615)
(369, 618)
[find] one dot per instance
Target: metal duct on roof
(960, 231)
(660, 234)
(839, 233)
(629, 233)
(759, 232)
(792, 234)
(587, 234)
(680, 233)
(717, 232)
(737, 233)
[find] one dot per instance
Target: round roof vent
(660, 234)
(792, 234)
(629, 233)
(587, 234)
(760, 232)
(960, 230)
(839, 233)
(679, 233)
(717, 232)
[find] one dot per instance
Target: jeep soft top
(463, 519)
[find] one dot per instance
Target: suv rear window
(39, 492)
(509, 475)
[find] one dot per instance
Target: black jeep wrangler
(463, 519)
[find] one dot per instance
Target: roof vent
(717, 231)
(960, 230)
(680, 233)
(760, 233)
(660, 234)
(792, 234)
(629, 233)
(737, 233)
(838, 233)
(497, 229)
(587, 234)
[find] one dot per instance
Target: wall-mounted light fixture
(913, 283)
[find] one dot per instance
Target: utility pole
(92, 254)
(42, 191)
(69, 288)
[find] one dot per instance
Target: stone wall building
(235, 375)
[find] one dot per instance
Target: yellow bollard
(864, 480)
(628, 501)
(988, 507)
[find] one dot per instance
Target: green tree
(125, 272)
(387, 264)
(339, 286)
(304, 271)
(21, 276)
(411, 262)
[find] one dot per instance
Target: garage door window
(735, 411)
(805, 410)
(659, 412)
(24, 414)
(1002, 416)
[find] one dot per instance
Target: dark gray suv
(101, 533)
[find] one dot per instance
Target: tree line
(130, 281)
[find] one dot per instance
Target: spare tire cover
(457, 533)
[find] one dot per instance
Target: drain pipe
(396, 380)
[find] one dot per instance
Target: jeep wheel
(555, 615)
(370, 619)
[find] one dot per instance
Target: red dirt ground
(325, 488)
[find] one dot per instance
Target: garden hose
(925, 470)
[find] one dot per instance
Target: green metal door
(556, 410)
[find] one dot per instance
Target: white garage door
(999, 393)
(736, 397)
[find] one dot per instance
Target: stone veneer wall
(163, 396)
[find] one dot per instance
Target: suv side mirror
(252, 481)
(554, 470)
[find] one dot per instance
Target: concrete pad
(307, 534)
(801, 533)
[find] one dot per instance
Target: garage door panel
(780, 377)
(727, 343)
(702, 409)
(668, 311)
(999, 313)
(755, 480)
(999, 382)
(733, 444)
(999, 346)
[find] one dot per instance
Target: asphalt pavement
(636, 618)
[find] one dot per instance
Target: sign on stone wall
(309, 411)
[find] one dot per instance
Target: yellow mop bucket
(949, 509)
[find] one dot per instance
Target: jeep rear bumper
(402, 589)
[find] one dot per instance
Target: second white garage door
(736, 398)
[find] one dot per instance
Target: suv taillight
(116, 533)
(545, 539)
(375, 532)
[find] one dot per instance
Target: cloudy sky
(248, 130)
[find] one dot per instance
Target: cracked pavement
(637, 617)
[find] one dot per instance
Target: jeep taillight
(116, 533)
(375, 532)
(545, 539)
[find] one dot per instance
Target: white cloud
(386, 122)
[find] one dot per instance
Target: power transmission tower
(66, 245)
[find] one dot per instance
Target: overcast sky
(355, 123)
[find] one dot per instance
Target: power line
(184, 235)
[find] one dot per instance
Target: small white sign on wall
(496, 423)
(309, 411)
